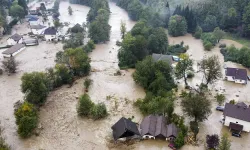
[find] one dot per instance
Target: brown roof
(236, 111)
(154, 125)
(124, 128)
(235, 126)
(16, 37)
(13, 49)
(172, 130)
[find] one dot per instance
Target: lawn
(241, 40)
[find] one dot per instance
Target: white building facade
(246, 125)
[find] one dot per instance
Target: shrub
(179, 141)
(190, 75)
(208, 45)
(84, 105)
(87, 83)
(232, 102)
(198, 32)
(222, 46)
(26, 119)
(220, 98)
(10, 65)
(99, 111)
(63, 74)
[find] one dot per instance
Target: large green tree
(177, 26)
(17, 11)
(158, 41)
(246, 20)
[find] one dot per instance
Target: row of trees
(98, 17)
(36, 86)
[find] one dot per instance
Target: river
(61, 129)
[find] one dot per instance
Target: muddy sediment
(61, 129)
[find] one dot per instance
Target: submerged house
(12, 51)
(236, 75)
(15, 39)
(124, 128)
(161, 57)
(37, 29)
(237, 117)
(154, 126)
(50, 34)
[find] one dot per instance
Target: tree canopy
(177, 26)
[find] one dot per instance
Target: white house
(12, 51)
(237, 117)
(236, 75)
(15, 39)
(50, 34)
(37, 29)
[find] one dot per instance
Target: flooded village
(59, 126)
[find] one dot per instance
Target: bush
(99, 111)
(10, 65)
(220, 98)
(26, 119)
(84, 105)
(35, 86)
(87, 83)
(64, 74)
(190, 75)
(222, 46)
(208, 45)
(179, 141)
(89, 46)
(198, 32)
(232, 102)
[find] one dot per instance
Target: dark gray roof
(37, 26)
(237, 112)
(124, 128)
(13, 49)
(50, 31)
(159, 57)
(172, 130)
(16, 37)
(237, 73)
(154, 125)
(242, 104)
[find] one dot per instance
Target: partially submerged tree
(196, 106)
(70, 11)
(211, 69)
(10, 65)
(225, 143)
(212, 141)
(123, 29)
(177, 26)
(218, 33)
(220, 98)
(17, 11)
(84, 105)
(182, 68)
(194, 128)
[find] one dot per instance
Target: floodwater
(61, 129)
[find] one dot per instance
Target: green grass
(238, 39)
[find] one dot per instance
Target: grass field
(241, 40)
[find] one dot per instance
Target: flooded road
(61, 129)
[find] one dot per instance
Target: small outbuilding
(12, 51)
(50, 34)
(15, 39)
(124, 128)
(236, 75)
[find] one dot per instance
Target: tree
(198, 32)
(70, 11)
(194, 128)
(225, 144)
(123, 29)
(87, 83)
(246, 20)
(99, 111)
(77, 29)
(190, 108)
(57, 23)
(23, 3)
(35, 87)
(211, 69)
(10, 65)
(42, 7)
(218, 33)
(26, 119)
(183, 66)
(85, 105)
(78, 61)
(158, 41)
(212, 141)
(210, 23)
(64, 74)
(17, 11)
(180, 140)
(177, 26)
(220, 98)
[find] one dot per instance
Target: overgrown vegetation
(86, 108)
(177, 26)
(212, 141)
(10, 65)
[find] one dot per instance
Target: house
(34, 21)
(172, 61)
(15, 39)
(124, 128)
(37, 29)
(237, 117)
(12, 51)
(153, 127)
(50, 34)
(236, 75)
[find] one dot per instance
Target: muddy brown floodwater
(61, 129)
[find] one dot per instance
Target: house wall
(50, 37)
(12, 42)
(246, 125)
(240, 81)
(37, 31)
(148, 137)
(230, 78)
(34, 22)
